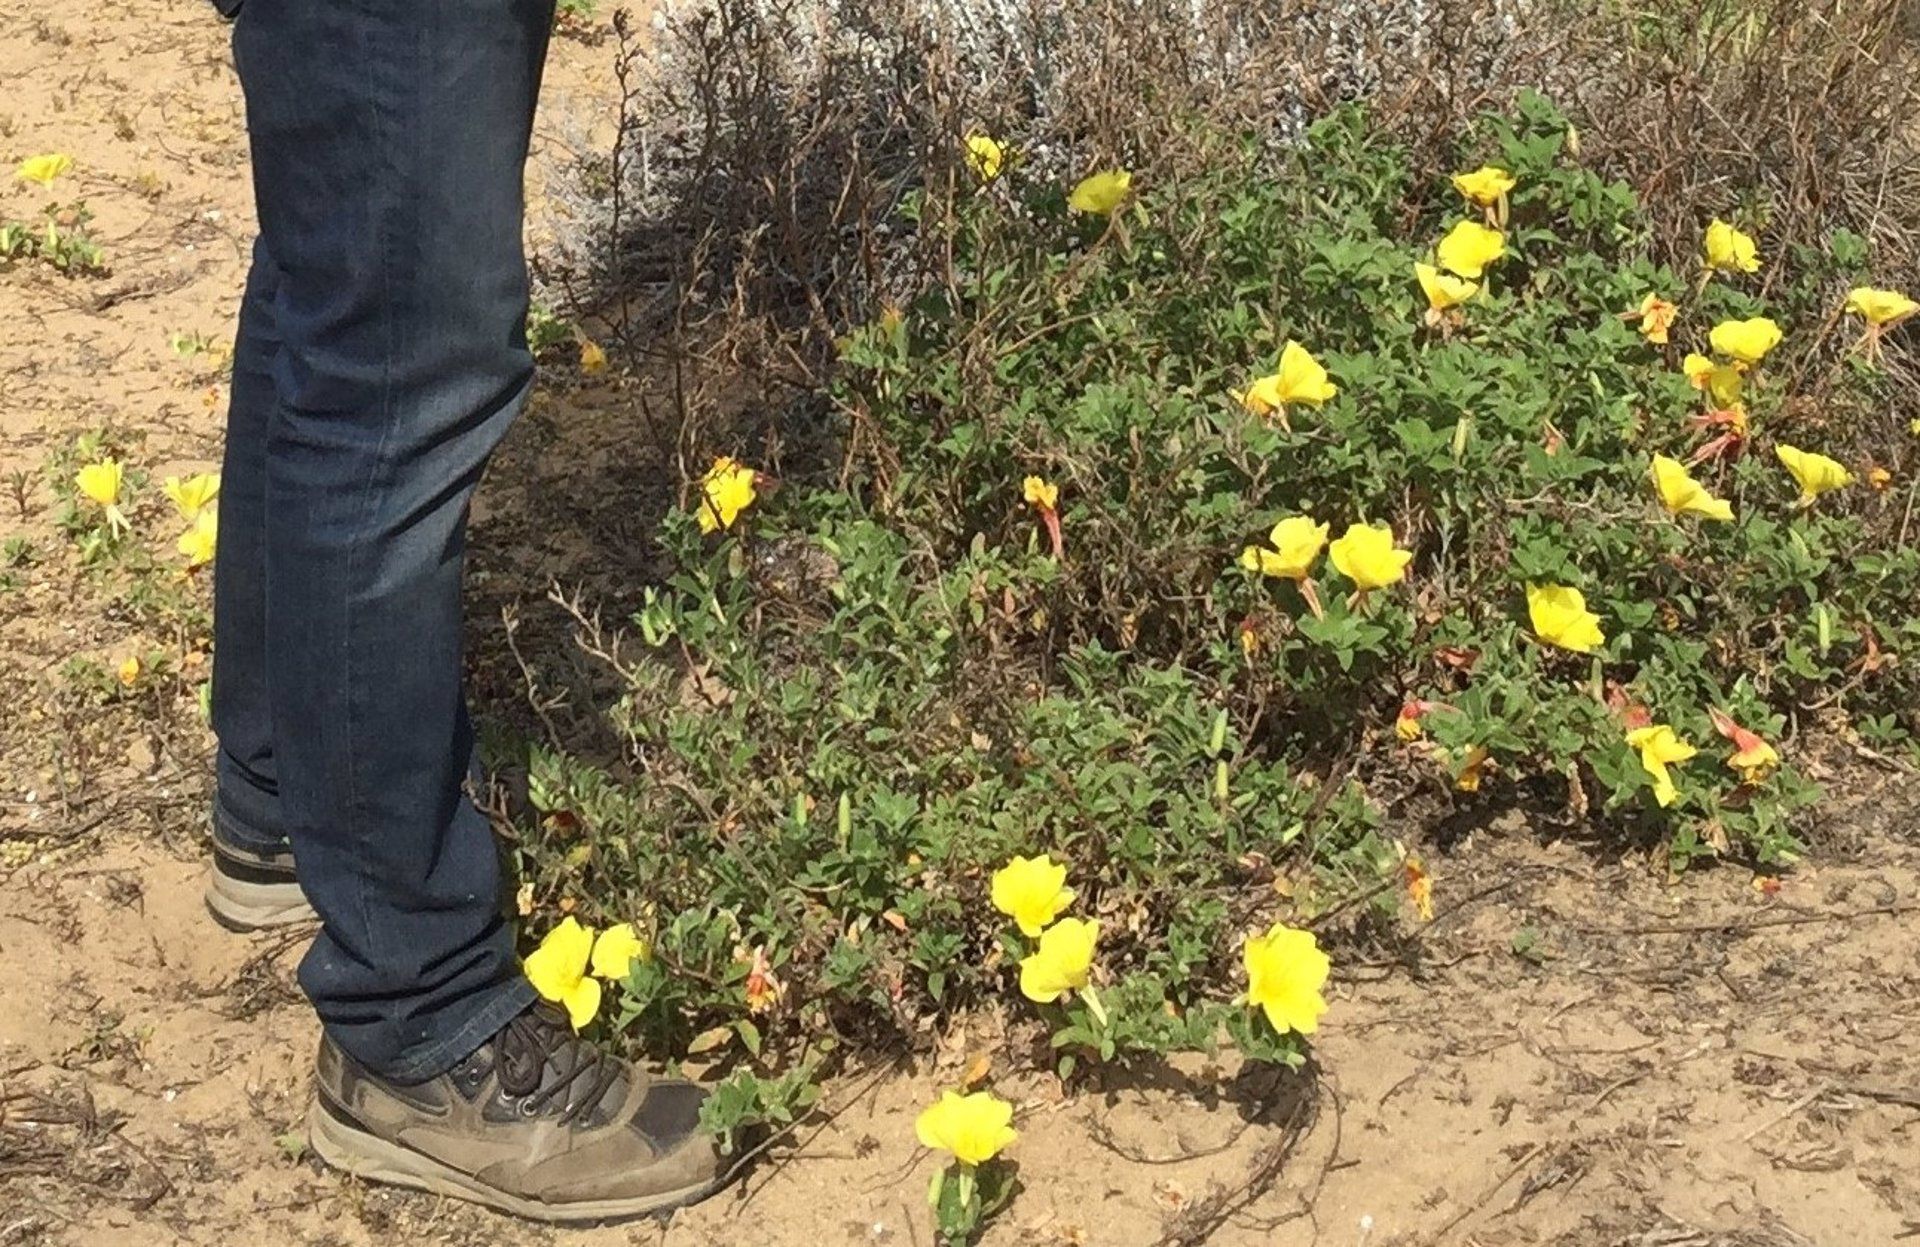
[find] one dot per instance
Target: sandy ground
(1576, 1050)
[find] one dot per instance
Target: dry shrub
(774, 154)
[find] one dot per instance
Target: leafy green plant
(1018, 614)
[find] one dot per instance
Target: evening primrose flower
(1753, 758)
(1296, 541)
(1880, 307)
(725, 491)
(558, 971)
(1062, 963)
(973, 1129)
(1366, 555)
(1560, 617)
(198, 543)
(617, 949)
(1680, 492)
(1746, 341)
(1472, 768)
(1032, 891)
(1485, 186)
(1285, 974)
(1443, 290)
(42, 170)
(1660, 748)
(985, 156)
(192, 495)
(1814, 473)
(100, 483)
(1721, 382)
(1656, 318)
(1099, 194)
(1730, 251)
(1469, 247)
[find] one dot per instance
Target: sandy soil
(1575, 1051)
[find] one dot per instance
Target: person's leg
(389, 139)
(252, 883)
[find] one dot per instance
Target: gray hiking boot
(253, 891)
(538, 1123)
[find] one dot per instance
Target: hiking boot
(538, 1123)
(248, 890)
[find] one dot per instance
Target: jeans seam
(510, 999)
(238, 831)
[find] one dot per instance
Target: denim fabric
(380, 357)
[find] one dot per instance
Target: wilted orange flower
(1656, 318)
(1419, 887)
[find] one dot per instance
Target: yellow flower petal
(198, 544)
(1656, 318)
(973, 1129)
(1301, 379)
(1286, 972)
(1100, 193)
(43, 169)
(1366, 555)
(1062, 963)
(1659, 748)
(1032, 891)
(582, 1003)
(618, 947)
(193, 494)
(1680, 492)
(1485, 186)
(1880, 307)
(1040, 492)
(1729, 250)
(985, 156)
(1469, 247)
(1747, 341)
(725, 491)
(1560, 617)
(1443, 290)
(101, 481)
(1815, 474)
(556, 967)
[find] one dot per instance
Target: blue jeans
(380, 357)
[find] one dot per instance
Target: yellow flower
(725, 491)
(1472, 768)
(1469, 247)
(1815, 474)
(1040, 492)
(1443, 290)
(192, 495)
(972, 1128)
(1560, 617)
(1656, 318)
(1485, 186)
(593, 357)
(558, 971)
(129, 671)
(1062, 963)
(43, 169)
(1285, 973)
(1880, 307)
(1032, 891)
(1747, 341)
(1660, 748)
(617, 948)
(1366, 555)
(1297, 542)
(1729, 250)
(1879, 478)
(101, 481)
(200, 541)
(1680, 492)
(1721, 381)
(1100, 193)
(1301, 379)
(985, 157)
(1752, 757)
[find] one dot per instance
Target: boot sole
(241, 906)
(374, 1159)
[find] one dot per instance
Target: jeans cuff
(234, 830)
(502, 1005)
